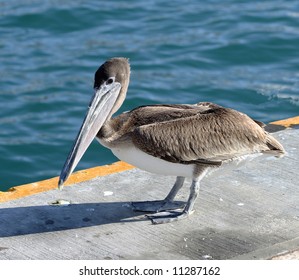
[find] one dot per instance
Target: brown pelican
(179, 140)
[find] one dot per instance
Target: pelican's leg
(171, 216)
(162, 205)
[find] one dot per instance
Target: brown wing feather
(207, 136)
(150, 114)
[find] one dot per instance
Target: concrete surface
(248, 213)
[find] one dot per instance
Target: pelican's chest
(144, 161)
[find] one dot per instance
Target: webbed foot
(168, 216)
(157, 205)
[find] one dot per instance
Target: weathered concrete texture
(248, 213)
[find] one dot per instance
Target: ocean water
(240, 54)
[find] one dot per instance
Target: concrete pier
(248, 213)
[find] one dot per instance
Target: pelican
(179, 140)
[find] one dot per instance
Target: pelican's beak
(99, 109)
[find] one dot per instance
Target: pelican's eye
(110, 81)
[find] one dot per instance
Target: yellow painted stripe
(287, 122)
(77, 177)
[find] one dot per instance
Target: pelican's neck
(120, 99)
(108, 132)
(110, 125)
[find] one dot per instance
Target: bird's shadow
(48, 218)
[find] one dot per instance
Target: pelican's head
(110, 87)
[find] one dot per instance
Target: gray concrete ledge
(248, 213)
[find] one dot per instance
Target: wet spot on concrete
(3, 248)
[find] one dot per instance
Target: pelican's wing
(205, 136)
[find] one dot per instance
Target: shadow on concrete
(47, 218)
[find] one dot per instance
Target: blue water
(240, 54)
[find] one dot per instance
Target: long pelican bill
(99, 109)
